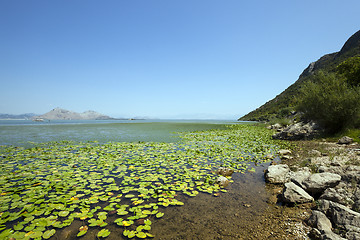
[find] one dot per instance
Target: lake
(21, 132)
(140, 178)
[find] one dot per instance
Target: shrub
(350, 69)
(330, 101)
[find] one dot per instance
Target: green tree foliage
(330, 101)
(350, 69)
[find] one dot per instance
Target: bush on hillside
(330, 101)
(350, 69)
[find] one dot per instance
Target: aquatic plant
(49, 186)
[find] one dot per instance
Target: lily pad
(63, 213)
(103, 233)
(141, 235)
(49, 233)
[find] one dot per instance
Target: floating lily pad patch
(44, 188)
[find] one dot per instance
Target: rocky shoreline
(322, 178)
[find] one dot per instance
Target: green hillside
(283, 104)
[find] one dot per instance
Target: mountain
(284, 103)
(63, 114)
(24, 116)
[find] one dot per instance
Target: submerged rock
(225, 171)
(222, 181)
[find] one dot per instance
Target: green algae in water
(45, 188)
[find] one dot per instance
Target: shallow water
(21, 132)
(231, 215)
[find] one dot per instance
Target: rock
(352, 235)
(315, 234)
(341, 216)
(275, 126)
(353, 232)
(331, 195)
(352, 173)
(315, 153)
(277, 173)
(284, 152)
(299, 176)
(295, 194)
(225, 171)
(298, 131)
(339, 195)
(318, 182)
(345, 140)
(320, 221)
(331, 236)
(331, 169)
(222, 181)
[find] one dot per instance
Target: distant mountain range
(58, 114)
(63, 114)
(285, 102)
(17, 116)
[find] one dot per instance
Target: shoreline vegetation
(68, 190)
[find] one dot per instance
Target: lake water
(21, 132)
(228, 216)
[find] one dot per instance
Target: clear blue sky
(162, 58)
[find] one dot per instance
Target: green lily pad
(159, 214)
(141, 235)
(47, 234)
(63, 213)
(103, 233)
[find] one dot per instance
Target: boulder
(225, 171)
(275, 126)
(331, 195)
(341, 216)
(345, 140)
(284, 152)
(353, 233)
(298, 131)
(338, 195)
(299, 176)
(319, 221)
(318, 182)
(352, 173)
(277, 173)
(295, 194)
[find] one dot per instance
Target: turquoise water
(21, 132)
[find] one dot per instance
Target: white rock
(277, 173)
(295, 194)
(318, 182)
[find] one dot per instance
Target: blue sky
(161, 58)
